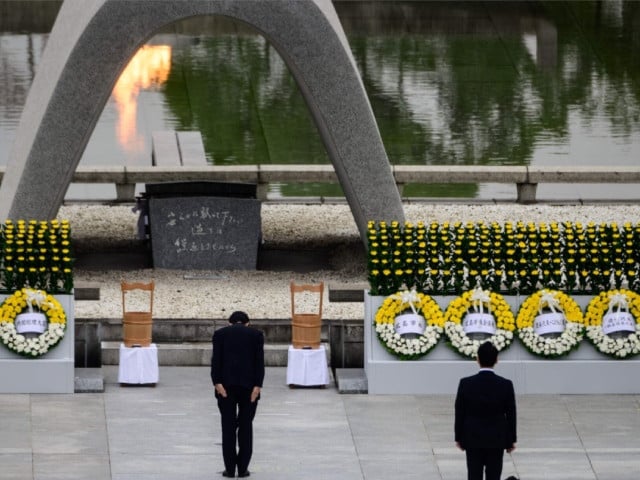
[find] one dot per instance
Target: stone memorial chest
(204, 232)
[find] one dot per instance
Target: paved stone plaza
(172, 432)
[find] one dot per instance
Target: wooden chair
(137, 324)
(306, 316)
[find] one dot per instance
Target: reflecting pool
(450, 83)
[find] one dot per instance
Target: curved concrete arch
(91, 43)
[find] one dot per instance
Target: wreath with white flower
(550, 323)
(626, 344)
(478, 301)
(32, 345)
(408, 347)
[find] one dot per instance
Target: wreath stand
(138, 359)
(583, 371)
(307, 357)
(53, 372)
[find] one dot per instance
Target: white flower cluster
(552, 347)
(34, 346)
(468, 347)
(409, 347)
(616, 347)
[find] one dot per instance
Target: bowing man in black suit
(485, 417)
(237, 372)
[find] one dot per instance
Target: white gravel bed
(265, 294)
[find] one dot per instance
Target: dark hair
(239, 317)
(487, 354)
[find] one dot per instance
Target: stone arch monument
(92, 42)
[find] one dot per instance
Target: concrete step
(351, 380)
(188, 330)
(88, 380)
(345, 337)
(198, 354)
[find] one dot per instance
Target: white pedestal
(583, 371)
(53, 372)
(307, 367)
(138, 365)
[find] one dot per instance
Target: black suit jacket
(485, 412)
(238, 356)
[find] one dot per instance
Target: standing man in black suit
(237, 372)
(485, 417)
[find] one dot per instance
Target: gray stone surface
(340, 292)
(173, 431)
(351, 380)
(164, 149)
(170, 148)
(89, 380)
(191, 148)
(204, 233)
(187, 342)
(86, 291)
(92, 41)
(195, 354)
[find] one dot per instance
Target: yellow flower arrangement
(403, 347)
(16, 304)
(547, 346)
(37, 254)
(617, 347)
(458, 309)
(511, 258)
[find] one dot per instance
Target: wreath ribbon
(410, 297)
(619, 301)
(36, 297)
(549, 300)
(478, 298)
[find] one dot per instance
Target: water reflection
(241, 96)
(541, 83)
(148, 69)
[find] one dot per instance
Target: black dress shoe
(227, 474)
(244, 474)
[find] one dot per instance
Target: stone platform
(583, 371)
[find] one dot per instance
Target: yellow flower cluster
(599, 305)
(17, 304)
(12, 306)
(394, 306)
(514, 258)
(530, 308)
(37, 254)
(498, 307)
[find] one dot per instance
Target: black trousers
(236, 415)
(484, 460)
